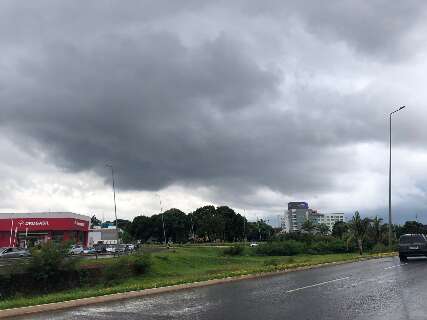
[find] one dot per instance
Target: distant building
(103, 235)
(33, 228)
(299, 212)
(331, 218)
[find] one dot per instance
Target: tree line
(206, 224)
(223, 224)
(366, 232)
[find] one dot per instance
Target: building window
(58, 236)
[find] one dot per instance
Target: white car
(13, 253)
(110, 249)
(89, 251)
(253, 245)
(76, 250)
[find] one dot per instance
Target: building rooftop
(43, 215)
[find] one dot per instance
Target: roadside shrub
(118, 269)
(236, 250)
(50, 268)
(125, 267)
(280, 248)
(325, 247)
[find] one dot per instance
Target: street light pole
(390, 232)
(115, 206)
(244, 227)
(163, 221)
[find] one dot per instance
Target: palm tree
(339, 229)
(376, 228)
(358, 230)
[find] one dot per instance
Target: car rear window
(412, 238)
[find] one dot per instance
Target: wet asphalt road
(376, 289)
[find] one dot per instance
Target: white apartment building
(330, 219)
(299, 212)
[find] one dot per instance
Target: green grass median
(186, 265)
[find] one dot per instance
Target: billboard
(297, 205)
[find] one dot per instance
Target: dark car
(412, 245)
(100, 248)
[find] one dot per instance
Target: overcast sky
(249, 104)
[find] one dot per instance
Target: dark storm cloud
(153, 107)
(110, 88)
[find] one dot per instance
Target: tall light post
(163, 221)
(115, 206)
(244, 227)
(390, 232)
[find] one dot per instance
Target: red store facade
(28, 229)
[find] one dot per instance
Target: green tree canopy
(358, 229)
(339, 229)
(95, 222)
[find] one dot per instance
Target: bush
(281, 248)
(118, 269)
(126, 266)
(236, 250)
(325, 247)
(50, 268)
(293, 247)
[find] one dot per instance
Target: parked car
(253, 244)
(14, 253)
(116, 248)
(76, 250)
(100, 248)
(89, 251)
(130, 247)
(412, 245)
(112, 248)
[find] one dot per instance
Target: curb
(56, 306)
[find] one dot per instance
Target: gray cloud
(155, 108)
(378, 27)
(119, 84)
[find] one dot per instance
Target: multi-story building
(299, 212)
(331, 218)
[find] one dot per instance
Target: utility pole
(244, 227)
(115, 206)
(163, 220)
(192, 227)
(390, 226)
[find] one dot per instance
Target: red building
(26, 229)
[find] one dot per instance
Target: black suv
(412, 245)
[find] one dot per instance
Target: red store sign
(43, 224)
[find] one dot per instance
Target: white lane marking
(399, 265)
(317, 284)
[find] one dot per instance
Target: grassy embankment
(185, 265)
